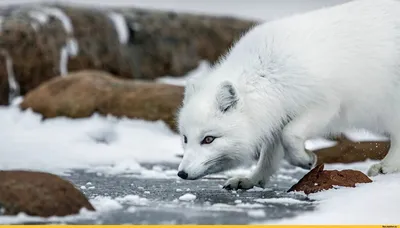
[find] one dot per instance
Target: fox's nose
(182, 174)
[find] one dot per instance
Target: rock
(39, 194)
(146, 44)
(319, 179)
(347, 151)
(84, 93)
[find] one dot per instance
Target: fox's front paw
(304, 159)
(239, 183)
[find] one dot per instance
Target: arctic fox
(289, 80)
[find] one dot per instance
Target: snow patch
(14, 90)
(63, 61)
(39, 16)
(257, 213)
(284, 200)
(373, 203)
(187, 197)
(72, 47)
(120, 26)
(319, 143)
(201, 70)
(249, 205)
(60, 144)
(105, 204)
(1, 23)
(131, 209)
(22, 218)
(364, 135)
(61, 16)
(132, 200)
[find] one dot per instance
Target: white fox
(289, 80)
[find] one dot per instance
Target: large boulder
(84, 93)
(39, 194)
(348, 151)
(319, 179)
(45, 41)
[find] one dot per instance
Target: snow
(63, 61)
(132, 200)
(61, 16)
(201, 70)
(72, 46)
(39, 16)
(120, 26)
(24, 218)
(105, 203)
(259, 213)
(372, 203)
(12, 81)
(106, 145)
(1, 23)
(284, 200)
(187, 197)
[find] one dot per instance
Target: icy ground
(127, 168)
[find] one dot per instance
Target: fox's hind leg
(271, 155)
(391, 162)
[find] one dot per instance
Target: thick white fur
(304, 76)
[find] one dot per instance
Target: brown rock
(159, 44)
(39, 194)
(83, 93)
(347, 151)
(319, 179)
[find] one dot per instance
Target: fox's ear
(190, 89)
(227, 97)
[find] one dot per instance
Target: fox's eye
(184, 139)
(208, 140)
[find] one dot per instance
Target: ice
(132, 200)
(259, 213)
(249, 205)
(24, 218)
(187, 197)
(120, 26)
(131, 209)
(105, 203)
(284, 200)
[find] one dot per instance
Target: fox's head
(214, 129)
